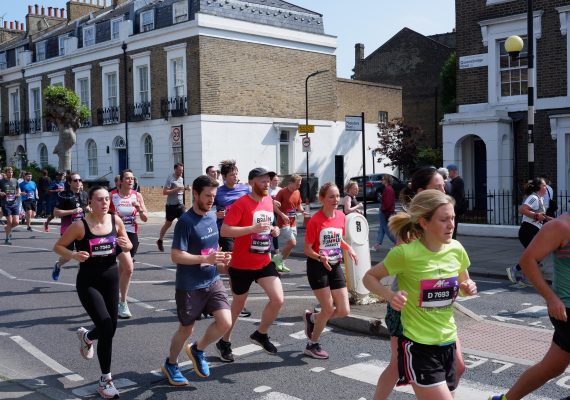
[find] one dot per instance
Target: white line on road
(278, 396)
(25, 247)
(493, 291)
(140, 303)
(46, 282)
(533, 309)
(255, 320)
(50, 362)
(301, 334)
(7, 275)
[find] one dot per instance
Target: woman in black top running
(96, 238)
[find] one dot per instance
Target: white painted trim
(175, 47)
(505, 26)
(563, 15)
(171, 55)
(86, 29)
(107, 68)
(493, 2)
(34, 85)
(56, 74)
(140, 62)
(82, 68)
(34, 79)
(84, 73)
(12, 85)
(549, 103)
(107, 63)
(139, 55)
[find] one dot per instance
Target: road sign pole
(364, 165)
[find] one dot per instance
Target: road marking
(152, 282)
(362, 355)
(140, 303)
(278, 396)
(89, 390)
(534, 310)
(249, 348)
(506, 365)
(261, 389)
(301, 334)
(47, 282)
(493, 291)
(286, 297)
(156, 266)
(255, 320)
(465, 298)
(7, 275)
(26, 247)
(503, 319)
(48, 361)
(4, 334)
(318, 369)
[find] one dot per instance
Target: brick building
(230, 75)
(412, 61)
(487, 137)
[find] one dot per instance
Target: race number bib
(10, 195)
(292, 214)
(437, 293)
(102, 247)
(31, 194)
(330, 239)
(261, 242)
(128, 219)
(206, 252)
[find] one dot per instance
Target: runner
(323, 247)
(71, 206)
(29, 191)
(422, 179)
(9, 194)
(274, 188)
(55, 188)
(127, 203)
(289, 200)
(96, 239)
(553, 238)
(199, 288)
(534, 216)
(350, 204)
(249, 222)
(431, 271)
(174, 190)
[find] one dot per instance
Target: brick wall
(155, 200)
(76, 9)
(355, 97)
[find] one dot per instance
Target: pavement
(490, 256)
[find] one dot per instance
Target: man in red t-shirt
(249, 221)
(290, 199)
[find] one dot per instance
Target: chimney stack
(5, 24)
(11, 25)
(29, 9)
(61, 12)
(50, 11)
(37, 9)
(43, 10)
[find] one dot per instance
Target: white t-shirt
(536, 204)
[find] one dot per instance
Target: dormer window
(180, 11)
(41, 51)
(88, 35)
(61, 42)
(115, 24)
(3, 64)
(19, 51)
(147, 20)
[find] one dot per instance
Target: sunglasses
(76, 180)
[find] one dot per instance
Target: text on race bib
(436, 293)
(330, 239)
(101, 247)
(261, 242)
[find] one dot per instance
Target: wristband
(536, 216)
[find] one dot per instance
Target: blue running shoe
(56, 271)
(198, 358)
(498, 397)
(172, 372)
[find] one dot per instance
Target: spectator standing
(458, 194)
(43, 194)
(174, 190)
(444, 172)
(549, 200)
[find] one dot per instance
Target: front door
(480, 173)
(122, 153)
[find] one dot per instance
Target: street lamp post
(307, 200)
(513, 46)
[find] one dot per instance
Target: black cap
(259, 171)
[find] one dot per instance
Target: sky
(371, 22)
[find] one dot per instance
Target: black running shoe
(225, 350)
(160, 245)
(245, 313)
(263, 340)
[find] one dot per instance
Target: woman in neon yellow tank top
(431, 271)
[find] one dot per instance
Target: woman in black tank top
(97, 238)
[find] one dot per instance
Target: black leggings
(527, 232)
(98, 291)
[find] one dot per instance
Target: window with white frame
(143, 89)
(178, 77)
(19, 51)
(83, 88)
(36, 103)
(148, 154)
(147, 20)
(513, 73)
(383, 117)
(88, 35)
(41, 50)
(115, 26)
(43, 155)
(3, 64)
(284, 153)
(14, 104)
(111, 84)
(180, 11)
(61, 44)
(177, 154)
(92, 158)
(57, 78)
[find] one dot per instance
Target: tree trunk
(67, 139)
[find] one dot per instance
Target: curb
(362, 324)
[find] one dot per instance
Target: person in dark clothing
(387, 209)
(458, 194)
(43, 194)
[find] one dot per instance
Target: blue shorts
(13, 209)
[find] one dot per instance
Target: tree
(448, 79)
(398, 148)
(64, 108)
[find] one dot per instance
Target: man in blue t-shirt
(29, 191)
(199, 288)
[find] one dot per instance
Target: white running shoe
(107, 390)
(124, 312)
(86, 349)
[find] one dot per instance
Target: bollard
(357, 238)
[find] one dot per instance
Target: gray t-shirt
(175, 198)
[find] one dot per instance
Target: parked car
(374, 186)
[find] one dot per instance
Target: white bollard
(357, 237)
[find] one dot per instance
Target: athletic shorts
(29, 205)
(190, 304)
(13, 209)
(319, 277)
(393, 322)
(241, 279)
(174, 211)
(562, 332)
(426, 365)
(287, 233)
(134, 238)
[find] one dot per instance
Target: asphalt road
(39, 318)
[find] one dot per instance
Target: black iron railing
(139, 111)
(108, 115)
(174, 107)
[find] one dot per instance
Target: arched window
(148, 156)
(43, 155)
(92, 157)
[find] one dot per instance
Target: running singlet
(290, 203)
(124, 208)
(101, 248)
(325, 234)
(251, 252)
(561, 280)
(70, 201)
(9, 187)
(432, 282)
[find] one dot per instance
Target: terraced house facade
(197, 81)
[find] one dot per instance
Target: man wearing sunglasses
(71, 206)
